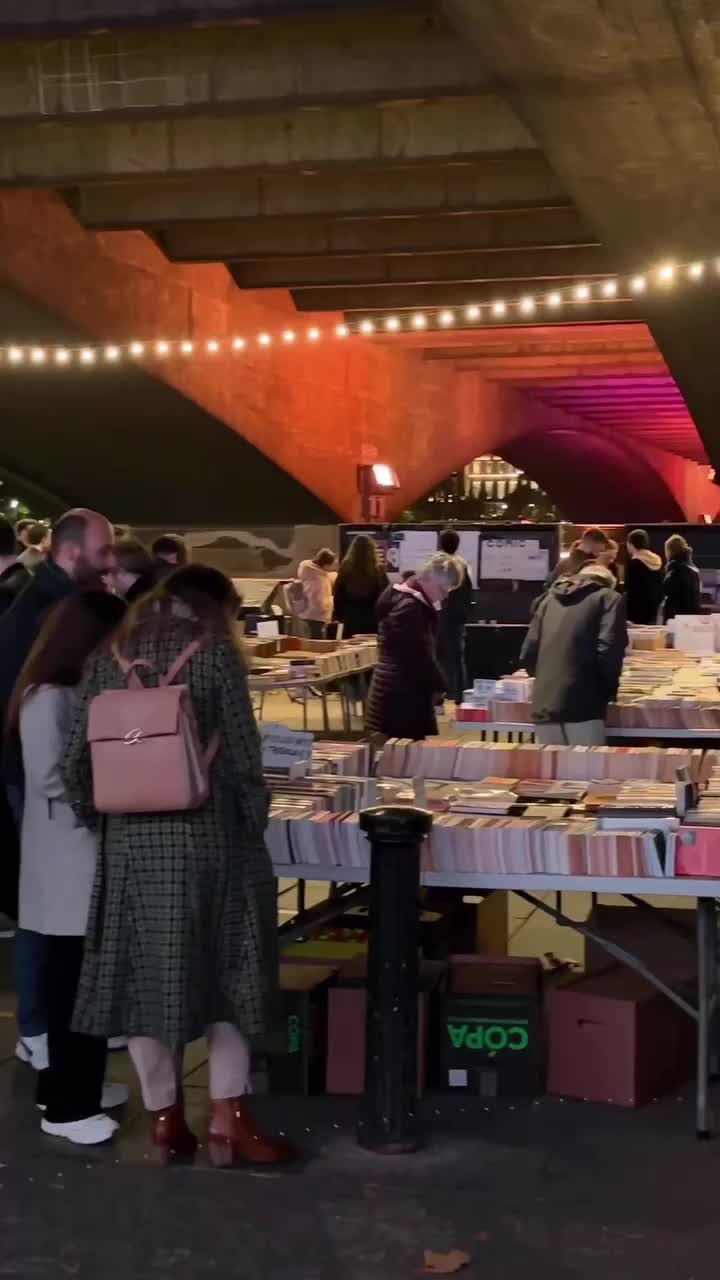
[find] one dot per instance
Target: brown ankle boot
(233, 1136)
(170, 1130)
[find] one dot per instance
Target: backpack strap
(129, 669)
(181, 661)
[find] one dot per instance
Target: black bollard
(389, 1118)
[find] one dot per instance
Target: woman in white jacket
(57, 860)
(318, 580)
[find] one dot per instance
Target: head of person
(676, 548)
(440, 575)
(594, 541)
(37, 538)
(407, 574)
(597, 572)
(197, 593)
(82, 545)
(449, 541)
(130, 561)
(8, 540)
(324, 559)
(637, 541)
(171, 548)
(609, 555)
(361, 562)
(73, 630)
(21, 528)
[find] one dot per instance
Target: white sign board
(283, 748)
(514, 559)
(469, 549)
(694, 633)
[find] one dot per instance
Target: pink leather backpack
(144, 744)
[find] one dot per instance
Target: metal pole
(389, 1120)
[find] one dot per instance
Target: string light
(663, 274)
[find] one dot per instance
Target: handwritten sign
(284, 748)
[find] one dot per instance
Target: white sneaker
(114, 1095)
(33, 1050)
(117, 1042)
(85, 1133)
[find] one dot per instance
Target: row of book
(471, 761)
(471, 845)
(278, 660)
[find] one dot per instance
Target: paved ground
(550, 1190)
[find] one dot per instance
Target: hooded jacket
(644, 588)
(575, 648)
(318, 586)
(681, 587)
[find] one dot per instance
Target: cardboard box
(613, 1038)
(491, 1027)
(697, 852)
(347, 1010)
(663, 939)
(296, 1053)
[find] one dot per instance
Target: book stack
(473, 845)
(351, 758)
(474, 761)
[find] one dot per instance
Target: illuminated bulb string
(576, 297)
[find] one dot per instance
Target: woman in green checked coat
(182, 933)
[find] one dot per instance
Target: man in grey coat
(575, 648)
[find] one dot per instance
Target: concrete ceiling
(372, 157)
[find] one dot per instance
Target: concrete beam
(278, 238)
(304, 61)
(512, 265)
(512, 178)
(361, 299)
(67, 154)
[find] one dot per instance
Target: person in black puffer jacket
(681, 585)
(643, 580)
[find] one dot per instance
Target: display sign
(514, 559)
(694, 633)
(409, 549)
(284, 748)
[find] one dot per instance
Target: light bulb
(554, 299)
(313, 334)
(212, 347)
(16, 355)
(112, 353)
(638, 284)
(239, 344)
(288, 336)
(419, 321)
(38, 355)
(62, 356)
(341, 331)
(264, 339)
(14, 504)
(87, 355)
(582, 292)
(367, 326)
(666, 272)
(446, 318)
(610, 288)
(137, 349)
(499, 308)
(696, 270)
(527, 305)
(162, 348)
(472, 313)
(187, 348)
(392, 324)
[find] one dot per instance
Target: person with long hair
(57, 861)
(360, 582)
(681, 585)
(182, 935)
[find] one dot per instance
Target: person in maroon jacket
(408, 683)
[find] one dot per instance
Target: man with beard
(80, 554)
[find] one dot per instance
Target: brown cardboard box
(612, 1037)
(664, 940)
(345, 1070)
(493, 975)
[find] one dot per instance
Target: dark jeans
(451, 656)
(71, 1088)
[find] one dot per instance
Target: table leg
(325, 716)
(707, 983)
(305, 711)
